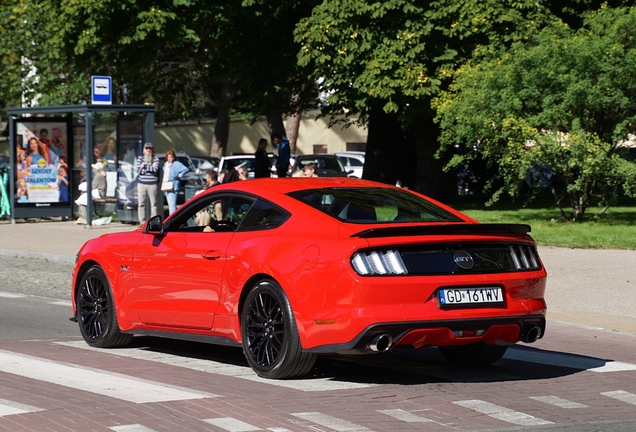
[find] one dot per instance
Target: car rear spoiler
(455, 228)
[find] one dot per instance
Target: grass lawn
(616, 229)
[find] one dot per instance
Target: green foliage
(174, 53)
(399, 52)
(563, 99)
(616, 229)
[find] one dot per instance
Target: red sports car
(291, 268)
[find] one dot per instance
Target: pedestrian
(211, 179)
(282, 164)
(310, 170)
(97, 191)
(147, 182)
(212, 212)
(242, 173)
(261, 160)
(173, 172)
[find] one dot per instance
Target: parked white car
(352, 161)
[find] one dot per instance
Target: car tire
(473, 355)
(96, 311)
(270, 336)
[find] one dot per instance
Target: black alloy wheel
(96, 311)
(270, 336)
(473, 355)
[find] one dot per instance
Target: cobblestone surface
(36, 277)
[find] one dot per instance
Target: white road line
(331, 422)
(61, 303)
(277, 429)
(232, 425)
(131, 428)
(91, 380)
(501, 413)
(209, 366)
(8, 407)
(622, 396)
(559, 402)
(404, 416)
(4, 294)
(568, 360)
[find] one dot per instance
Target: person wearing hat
(98, 190)
(99, 179)
(147, 181)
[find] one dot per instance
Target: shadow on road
(403, 366)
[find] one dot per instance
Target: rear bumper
(503, 330)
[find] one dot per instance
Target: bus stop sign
(101, 90)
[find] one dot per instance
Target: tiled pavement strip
(535, 386)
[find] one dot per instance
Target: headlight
(378, 263)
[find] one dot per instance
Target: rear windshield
(374, 205)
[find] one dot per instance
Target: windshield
(374, 205)
(322, 163)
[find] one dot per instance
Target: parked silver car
(353, 161)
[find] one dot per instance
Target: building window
(357, 146)
(320, 148)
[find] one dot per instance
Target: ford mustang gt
(292, 268)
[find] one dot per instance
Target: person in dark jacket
(261, 162)
(282, 164)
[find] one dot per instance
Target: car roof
(275, 188)
(317, 156)
(283, 186)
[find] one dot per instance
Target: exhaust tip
(381, 343)
(532, 334)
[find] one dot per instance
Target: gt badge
(463, 260)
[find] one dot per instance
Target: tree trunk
(431, 179)
(222, 126)
(389, 157)
(275, 123)
(291, 129)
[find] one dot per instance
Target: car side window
(262, 216)
(212, 213)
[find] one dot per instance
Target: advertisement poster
(41, 154)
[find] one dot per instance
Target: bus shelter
(54, 148)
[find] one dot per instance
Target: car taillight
(378, 263)
(524, 257)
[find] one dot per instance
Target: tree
(191, 58)
(560, 102)
(394, 56)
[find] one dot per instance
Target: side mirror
(154, 226)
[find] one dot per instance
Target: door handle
(213, 254)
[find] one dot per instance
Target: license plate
(461, 296)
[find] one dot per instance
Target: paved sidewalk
(50, 239)
(588, 287)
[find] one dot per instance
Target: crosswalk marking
(331, 422)
(4, 294)
(131, 428)
(404, 416)
(209, 366)
(559, 402)
(232, 425)
(8, 407)
(102, 383)
(501, 413)
(622, 396)
(568, 360)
